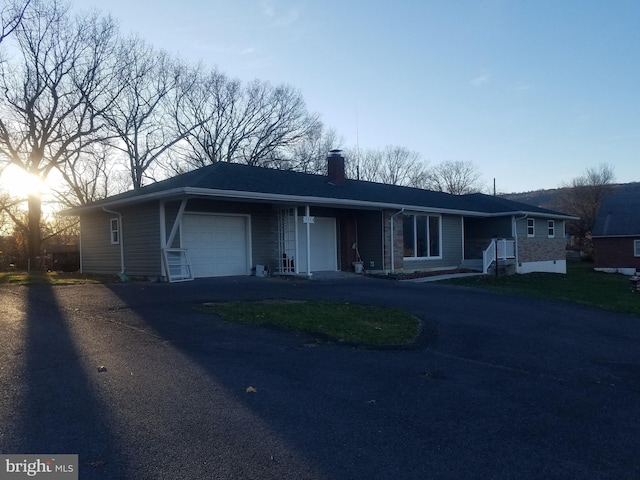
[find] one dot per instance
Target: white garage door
(323, 245)
(217, 244)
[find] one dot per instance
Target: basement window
(115, 231)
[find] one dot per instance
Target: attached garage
(218, 245)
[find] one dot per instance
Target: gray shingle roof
(619, 216)
(230, 177)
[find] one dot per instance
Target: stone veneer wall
(539, 249)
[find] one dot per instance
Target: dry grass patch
(344, 322)
(51, 278)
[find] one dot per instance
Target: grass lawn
(385, 326)
(51, 278)
(580, 285)
(340, 321)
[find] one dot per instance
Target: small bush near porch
(581, 284)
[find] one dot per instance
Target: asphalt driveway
(142, 386)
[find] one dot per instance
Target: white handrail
(506, 250)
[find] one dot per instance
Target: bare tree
(10, 245)
(213, 101)
(11, 212)
(400, 166)
(393, 165)
(52, 98)
(275, 117)
(455, 177)
(61, 229)
(90, 174)
(11, 15)
(254, 124)
(364, 165)
(13, 231)
(309, 155)
(583, 196)
(148, 119)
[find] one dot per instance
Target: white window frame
(531, 227)
(440, 246)
(114, 224)
(636, 248)
(551, 228)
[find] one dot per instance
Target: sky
(531, 92)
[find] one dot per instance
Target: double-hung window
(636, 248)
(115, 231)
(552, 228)
(422, 236)
(531, 227)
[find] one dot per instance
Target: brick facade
(615, 253)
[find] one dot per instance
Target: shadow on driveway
(348, 413)
(514, 387)
(60, 411)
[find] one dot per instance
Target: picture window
(422, 236)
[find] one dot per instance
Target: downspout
(515, 237)
(307, 213)
(393, 259)
(121, 274)
(80, 246)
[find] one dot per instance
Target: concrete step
(472, 264)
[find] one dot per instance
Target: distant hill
(551, 198)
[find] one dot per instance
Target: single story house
(229, 219)
(616, 234)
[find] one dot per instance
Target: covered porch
(489, 243)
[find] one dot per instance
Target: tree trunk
(35, 237)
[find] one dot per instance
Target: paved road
(509, 387)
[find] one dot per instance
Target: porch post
(393, 240)
(308, 224)
(176, 223)
(296, 256)
(462, 230)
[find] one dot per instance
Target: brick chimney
(335, 167)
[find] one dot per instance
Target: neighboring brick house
(230, 219)
(616, 234)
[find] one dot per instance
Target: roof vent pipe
(335, 167)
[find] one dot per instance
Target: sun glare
(18, 183)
